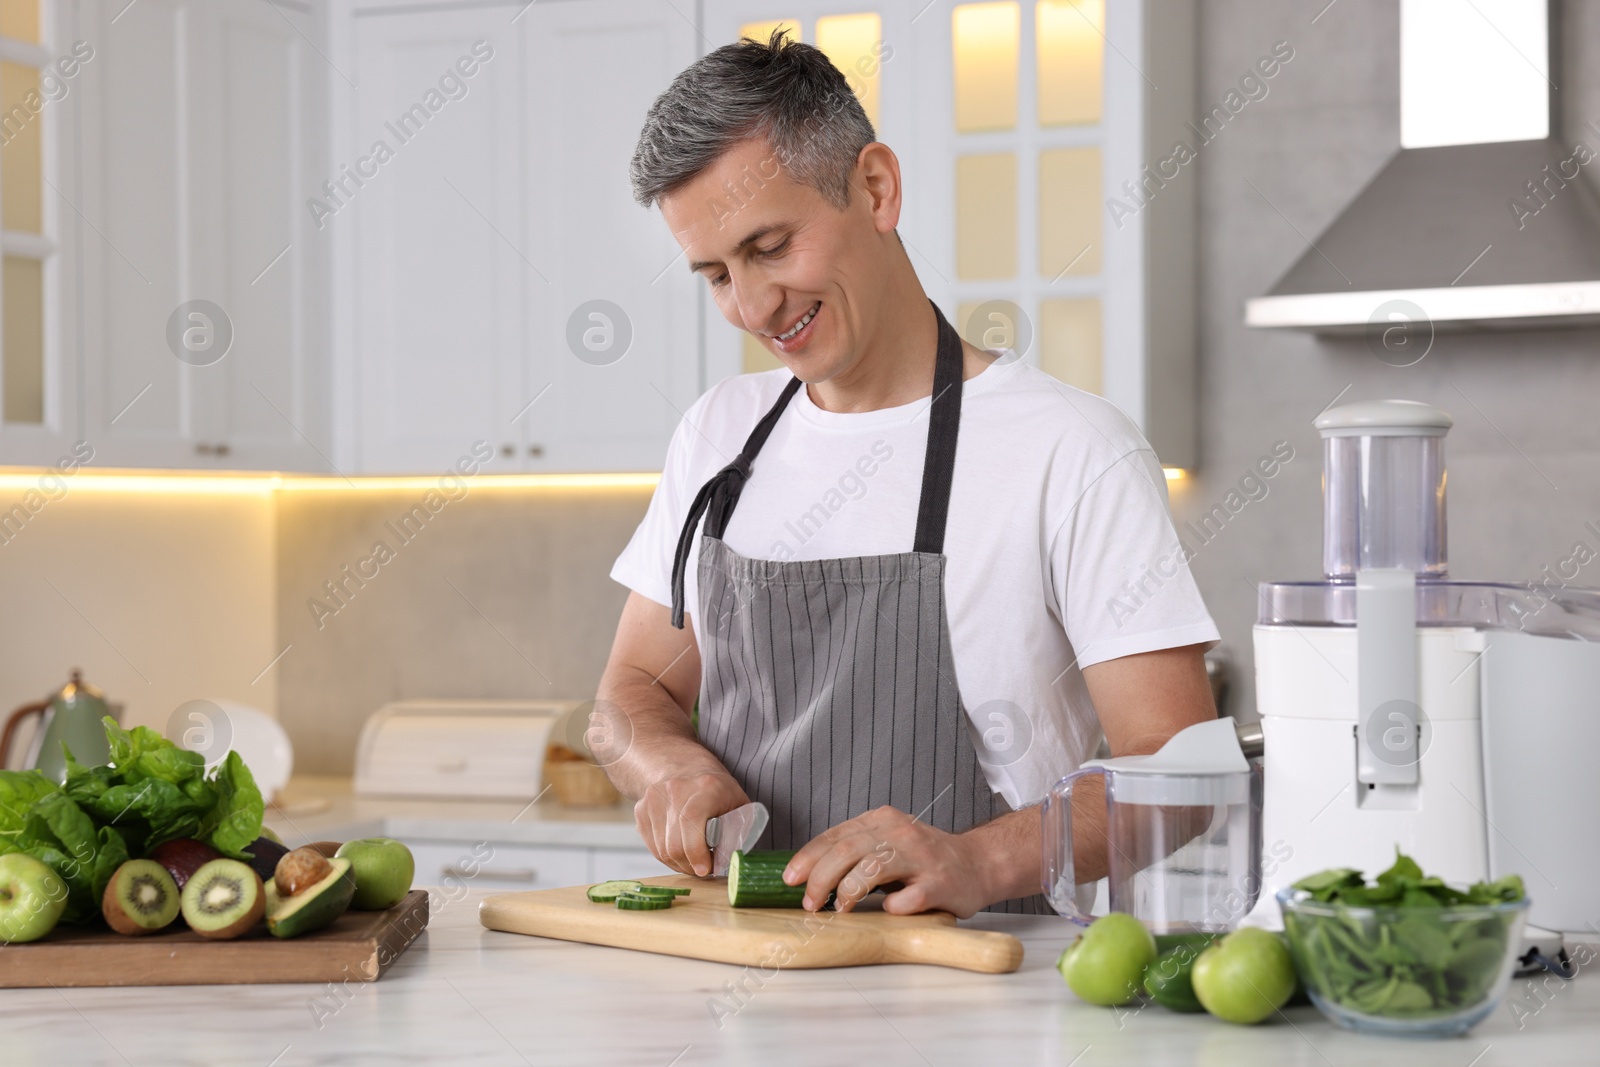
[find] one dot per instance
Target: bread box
(457, 749)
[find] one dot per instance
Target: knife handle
(711, 832)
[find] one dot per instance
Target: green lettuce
(65, 838)
(151, 792)
(19, 790)
(237, 813)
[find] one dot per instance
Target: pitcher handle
(1059, 873)
(10, 733)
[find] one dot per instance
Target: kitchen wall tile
(160, 598)
(502, 594)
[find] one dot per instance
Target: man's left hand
(936, 870)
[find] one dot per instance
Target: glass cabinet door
(1026, 106)
(26, 245)
(859, 41)
(996, 116)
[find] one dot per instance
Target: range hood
(1481, 219)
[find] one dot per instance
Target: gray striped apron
(828, 686)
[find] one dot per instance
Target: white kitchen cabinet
(201, 131)
(596, 66)
(498, 865)
(609, 863)
(504, 216)
(436, 200)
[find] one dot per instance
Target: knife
(734, 831)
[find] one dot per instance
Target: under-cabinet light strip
(54, 484)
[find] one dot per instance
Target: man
(915, 581)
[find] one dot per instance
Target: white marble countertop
(312, 808)
(463, 994)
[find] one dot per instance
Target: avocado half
(314, 907)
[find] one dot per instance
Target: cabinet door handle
(508, 450)
(536, 450)
(527, 874)
(202, 448)
(221, 449)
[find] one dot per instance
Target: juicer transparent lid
(1531, 608)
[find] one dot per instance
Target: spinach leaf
(1325, 884)
(1419, 960)
(237, 814)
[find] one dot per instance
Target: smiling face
(806, 279)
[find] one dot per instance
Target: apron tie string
(720, 492)
(718, 496)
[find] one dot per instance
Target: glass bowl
(1408, 972)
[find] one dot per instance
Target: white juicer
(1400, 707)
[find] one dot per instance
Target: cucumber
(643, 902)
(755, 880)
(606, 892)
(1169, 978)
(1165, 943)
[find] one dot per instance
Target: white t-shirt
(1061, 551)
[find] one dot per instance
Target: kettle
(72, 716)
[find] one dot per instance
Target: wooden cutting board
(358, 947)
(704, 926)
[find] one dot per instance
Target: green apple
(32, 898)
(1245, 977)
(1105, 965)
(383, 869)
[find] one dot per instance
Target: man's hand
(934, 869)
(672, 815)
(647, 746)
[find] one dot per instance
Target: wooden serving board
(358, 947)
(704, 926)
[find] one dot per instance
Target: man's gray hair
(782, 90)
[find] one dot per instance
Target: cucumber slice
(642, 902)
(607, 892)
(662, 891)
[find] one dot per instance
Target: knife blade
(734, 831)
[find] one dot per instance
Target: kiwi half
(141, 898)
(223, 899)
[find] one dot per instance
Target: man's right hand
(672, 815)
(649, 749)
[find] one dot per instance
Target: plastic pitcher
(1183, 831)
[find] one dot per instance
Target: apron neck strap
(944, 423)
(717, 498)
